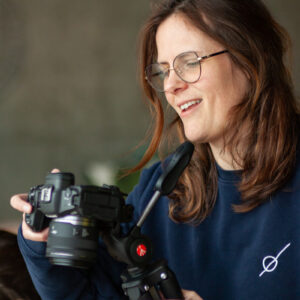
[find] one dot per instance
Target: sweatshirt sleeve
(58, 282)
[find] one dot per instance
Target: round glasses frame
(166, 71)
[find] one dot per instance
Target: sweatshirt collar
(229, 175)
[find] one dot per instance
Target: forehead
(176, 35)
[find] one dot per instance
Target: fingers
(187, 295)
(190, 295)
(34, 236)
(19, 202)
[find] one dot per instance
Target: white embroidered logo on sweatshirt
(270, 263)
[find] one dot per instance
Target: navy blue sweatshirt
(234, 256)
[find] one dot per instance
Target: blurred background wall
(69, 96)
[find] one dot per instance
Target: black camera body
(75, 215)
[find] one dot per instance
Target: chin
(195, 138)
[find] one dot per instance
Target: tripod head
(135, 249)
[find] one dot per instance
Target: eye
(160, 73)
(192, 63)
(159, 70)
(187, 61)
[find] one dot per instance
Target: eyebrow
(200, 53)
(163, 62)
(159, 62)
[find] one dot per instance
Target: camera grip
(37, 221)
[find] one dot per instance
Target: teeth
(188, 104)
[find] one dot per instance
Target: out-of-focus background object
(69, 96)
(15, 281)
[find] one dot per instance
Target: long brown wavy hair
(258, 45)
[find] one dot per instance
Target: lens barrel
(73, 241)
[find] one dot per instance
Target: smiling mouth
(188, 105)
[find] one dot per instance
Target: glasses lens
(188, 67)
(156, 74)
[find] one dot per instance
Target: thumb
(55, 171)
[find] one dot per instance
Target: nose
(173, 83)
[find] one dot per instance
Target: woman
(230, 230)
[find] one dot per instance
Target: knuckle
(44, 235)
(13, 199)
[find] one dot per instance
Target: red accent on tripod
(141, 250)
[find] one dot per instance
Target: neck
(224, 158)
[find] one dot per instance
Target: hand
(190, 295)
(19, 202)
(187, 295)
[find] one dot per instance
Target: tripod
(144, 284)
(143, 279)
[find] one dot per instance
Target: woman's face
(221, 85)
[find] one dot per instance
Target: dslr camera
(75, 215)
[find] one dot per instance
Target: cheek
(227, 81)
(220, 97)
(170, 100)
(228, 90)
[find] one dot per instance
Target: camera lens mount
(73, 241)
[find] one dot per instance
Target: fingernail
(26, 208)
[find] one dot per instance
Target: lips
(187, 105)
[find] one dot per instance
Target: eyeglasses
(186, 65)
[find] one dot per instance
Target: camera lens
(72, 241)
